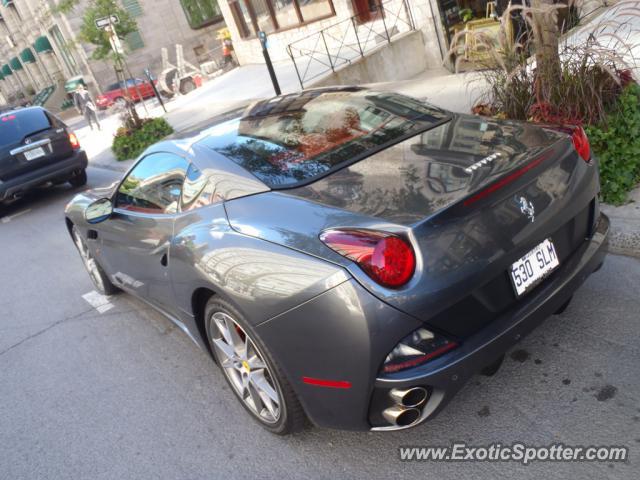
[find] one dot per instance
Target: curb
(624, 236)
(624, 243)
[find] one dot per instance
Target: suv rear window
(16, 125)
(295, 139)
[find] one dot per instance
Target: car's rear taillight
(385, 257)
(415, 349)
(581, 143)
(73, 140)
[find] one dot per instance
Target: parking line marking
(98, 301)
(8, 218)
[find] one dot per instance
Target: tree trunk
(545, 40)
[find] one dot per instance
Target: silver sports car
(348, 256)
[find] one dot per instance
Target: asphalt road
(124, 394)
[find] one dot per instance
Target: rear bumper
(444, 376)
(59, 170)
(345, 333)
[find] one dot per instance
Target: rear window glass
(14, 126)
(297, 138)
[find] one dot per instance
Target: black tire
(292, 417)
(79, 179)
(99, 279)
(120, 102)
(186, 86)
(564, 306)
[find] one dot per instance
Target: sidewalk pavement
(456, 92)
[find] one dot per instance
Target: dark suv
(37, 148)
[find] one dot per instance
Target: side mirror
(98, 211)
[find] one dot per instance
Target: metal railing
(211, 61)
(348, 40)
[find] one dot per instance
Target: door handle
(164, 260)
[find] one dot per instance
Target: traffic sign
(106, 21)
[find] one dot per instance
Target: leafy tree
(90, 33)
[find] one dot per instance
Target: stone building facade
(287, 21)
(39, 47)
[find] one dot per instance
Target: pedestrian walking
(86, 106)
(227, 47)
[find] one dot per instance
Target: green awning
(71, 84)
(42, 45)
(15, 64)
(43, 96)
(6, 70)
(27, 56)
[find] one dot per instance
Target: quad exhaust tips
(407, 410)
(411, 397)
(401, 416)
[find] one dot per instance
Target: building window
(316, 9)
(64, 50)
(201, 13)
(14, 9)
(134, 40)
(132, 7)
(252, 16)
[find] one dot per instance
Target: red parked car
(115, 94)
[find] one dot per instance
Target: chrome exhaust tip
(401, 416)
(411, 397)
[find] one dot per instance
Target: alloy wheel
(88, 260)
(245, 367)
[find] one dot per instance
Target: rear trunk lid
(30, 139)
(417, 178)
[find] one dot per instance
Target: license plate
(34, 153)
(533, 267)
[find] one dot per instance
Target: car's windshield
(294, 139)
(16, 125)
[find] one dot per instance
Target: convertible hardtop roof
(292, 140)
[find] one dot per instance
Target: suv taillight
(385, 257)
(73, 140)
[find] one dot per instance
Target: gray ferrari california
(349, 256)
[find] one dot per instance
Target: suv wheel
(79, 179)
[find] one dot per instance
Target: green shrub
(129, 143)
(617, 145)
